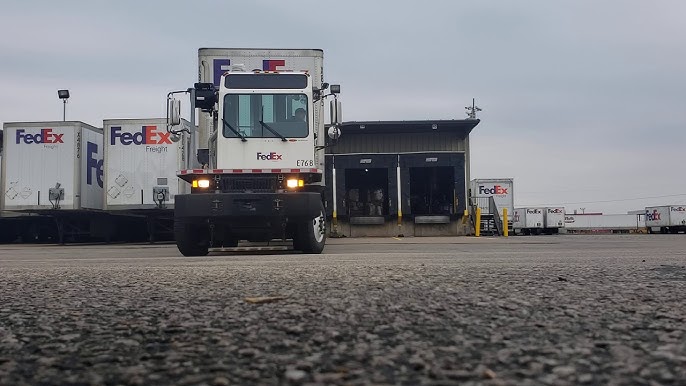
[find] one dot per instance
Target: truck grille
(249, 183)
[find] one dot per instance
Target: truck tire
(310, 236)
(189, 239)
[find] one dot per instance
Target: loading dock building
(389, 178)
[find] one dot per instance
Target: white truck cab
(261, 177)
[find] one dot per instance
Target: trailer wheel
(310, 236)
(189, 239)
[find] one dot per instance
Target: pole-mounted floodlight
(64, 95)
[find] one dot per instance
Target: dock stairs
(491, 220)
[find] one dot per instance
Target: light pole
(64, 95)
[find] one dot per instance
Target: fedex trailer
(501, 189)
(141, 160)
(554, 219)
(528, 221)
(52, 166)
(604, 223)
(666, 218)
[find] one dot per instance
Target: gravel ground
(558, 310)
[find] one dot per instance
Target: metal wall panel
(399, 143)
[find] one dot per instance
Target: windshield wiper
(238, 134)
(266, 126)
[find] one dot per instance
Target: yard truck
(256, 171)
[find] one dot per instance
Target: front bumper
(236, 206)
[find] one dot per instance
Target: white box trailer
(528, 221)
(501, 189)
(666, 218)
(554, 219)
(213, 62)
(51, 165)
(141, 163)
(603, 222)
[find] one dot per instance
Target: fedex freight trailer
(666, 219)
(501, 189)
(51, 165)
(141, 161)
(528, 221)
(554, 219)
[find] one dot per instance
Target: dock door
(433, 186)
(366, 187)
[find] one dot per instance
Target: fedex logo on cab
(269, 156)
(44, 136)
(148, 135)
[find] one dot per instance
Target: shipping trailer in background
(54, 169)
(141, 161)
(604, 223)
(666, 219)
(528, 221)
(554, 219)
(501, 189)
(11, 223)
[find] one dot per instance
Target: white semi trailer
(52, 166)
(528, 221)
(502, 191)
(53, 169)
(141, 160)
(258, 175)
(554, 219)
(666, 219)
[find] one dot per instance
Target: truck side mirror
(335, 88)
(336, 112)
(173, 112)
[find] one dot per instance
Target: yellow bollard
(477, 220)
(506, 229)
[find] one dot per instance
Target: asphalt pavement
(539, 310)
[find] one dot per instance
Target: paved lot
(551, 310)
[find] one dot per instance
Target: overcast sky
(584, 101)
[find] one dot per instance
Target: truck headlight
(201, 184)
(293, 183)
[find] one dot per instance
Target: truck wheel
(189, 239)
(311, 235)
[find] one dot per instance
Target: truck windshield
(285, 114)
